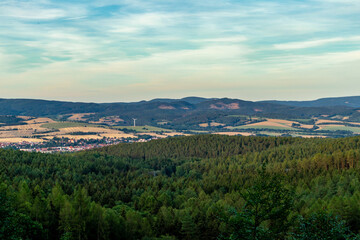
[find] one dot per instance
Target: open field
(40, 120)
(308, 136)
(355, 130)
(212, 124)
(306, 126)
(269, 133)
(322, 121)
(59, 125)
(79, 116)
(39, 129)
(45, 128)
(110, 120)
(275, 124)
(145, 128)
(251, 126)
(17, 140)
(32, 127)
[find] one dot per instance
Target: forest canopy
(197, 187)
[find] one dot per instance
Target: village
(65, 145)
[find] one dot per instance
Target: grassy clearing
(273, 134)
(263, 127)
(340, 127)
(59, 125)
(145, 128)
(303, 120)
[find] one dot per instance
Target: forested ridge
(198, 187)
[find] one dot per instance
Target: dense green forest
(197, 187)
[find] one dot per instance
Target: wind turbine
(134, 122)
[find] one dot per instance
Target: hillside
(197, 187)
(353, 102)
(191, 115)
(172, 109)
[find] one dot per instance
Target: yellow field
(79, 116)
(311, 136)
(307, 126)
(35, 127)
(277, 123)
(40, 120)
(171, 134)
(24, 117)
(321, 121)
(16, 140)
(212, 124)
(28, 130)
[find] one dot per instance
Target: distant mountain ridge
(186, 110)
(322, 102)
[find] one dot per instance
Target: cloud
(313, 43)
(125, 47)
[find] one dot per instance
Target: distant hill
(322, 102)
(185, 112)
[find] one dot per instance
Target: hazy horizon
(179, 98)
(117, 51)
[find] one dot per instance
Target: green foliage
(265, 214)
(182, 188)
(15, 225)
(322, 226)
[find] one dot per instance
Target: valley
(162, 118)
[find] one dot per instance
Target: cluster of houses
(70, 145)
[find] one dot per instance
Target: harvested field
(59, 125)
(309, 136)
(85, 130)
(25, 117)
(322, 121)
(269, 124)
(18, 140)
(171, 134)
(306, 126)
(45, 128)
(212, 124)
(17, 131)
(145, 128)
(79, 116)
(78, 137)
(40, 120)
(272, 134)
(355, 130)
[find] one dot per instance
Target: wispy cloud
(314, 43)
(108, 45)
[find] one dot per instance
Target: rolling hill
(185, 113)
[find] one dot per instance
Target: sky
(130, 50)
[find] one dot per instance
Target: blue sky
(106, 51)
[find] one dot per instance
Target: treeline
(197, 146)
(199, 187)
